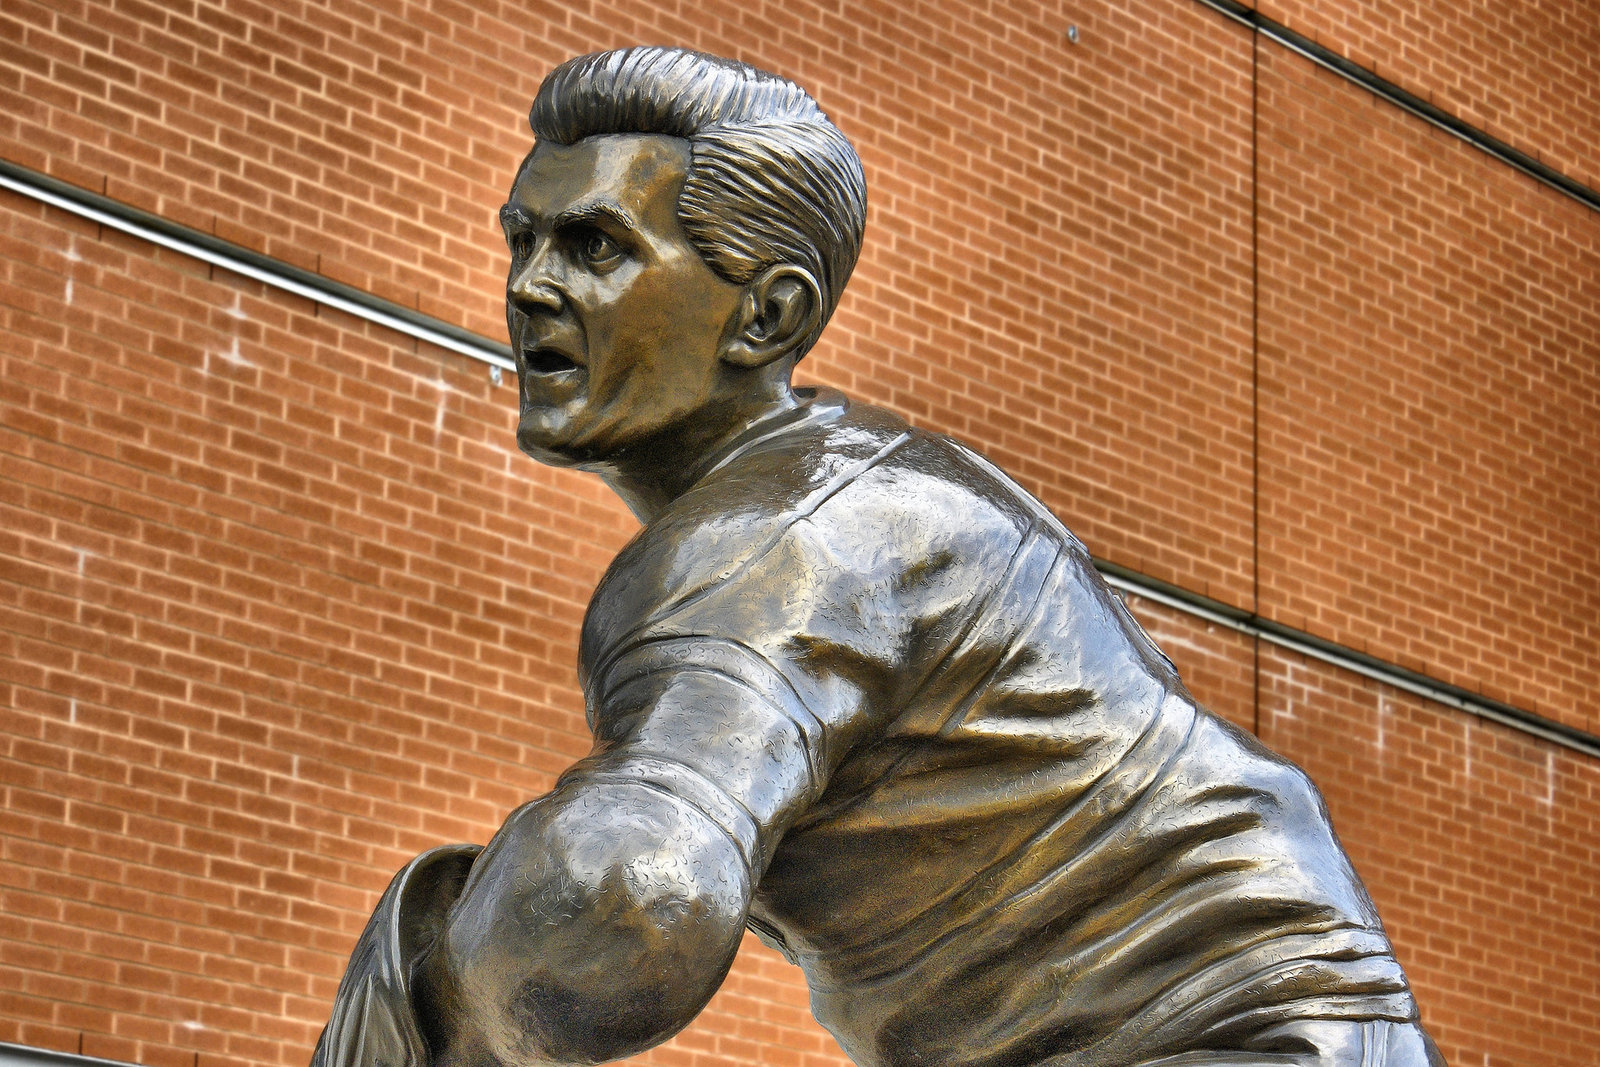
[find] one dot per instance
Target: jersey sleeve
(739, 694)
(709, 720)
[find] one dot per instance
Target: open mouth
(547, 361)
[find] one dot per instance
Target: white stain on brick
(231, 355)
(440, 406)
(72, 256)
(1382, 717)
(1293, 687)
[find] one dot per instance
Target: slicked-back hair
(771, 180)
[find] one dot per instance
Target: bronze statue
(851, 687)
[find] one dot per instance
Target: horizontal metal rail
(213, 250)
(28, 1056)
(1362, 663)
(267, 270)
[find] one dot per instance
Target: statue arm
(602, 917)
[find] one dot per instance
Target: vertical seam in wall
(1255, 359)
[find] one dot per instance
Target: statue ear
(779, 311)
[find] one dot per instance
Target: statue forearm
(597, 923)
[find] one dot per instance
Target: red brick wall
(1524, 74)
(281, 605)
(1479, 845)
(255, 652)
(1430, 399)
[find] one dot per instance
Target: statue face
(616, 322)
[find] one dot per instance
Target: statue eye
(599, 252)
(521, 245)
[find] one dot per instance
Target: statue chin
(537, 438)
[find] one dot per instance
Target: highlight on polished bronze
(850, 686)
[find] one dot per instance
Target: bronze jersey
(980, 810)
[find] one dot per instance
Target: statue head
(770, 180)
(679, 235)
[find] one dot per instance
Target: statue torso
(1019, 832)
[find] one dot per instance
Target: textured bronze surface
(851, 687)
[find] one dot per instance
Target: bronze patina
(851, 687)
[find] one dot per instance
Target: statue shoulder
(733, 516)
(859, 509)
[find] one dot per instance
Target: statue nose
(534, 287)
(538, 296)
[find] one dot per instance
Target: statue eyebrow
(596, 212)
(512, 216)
